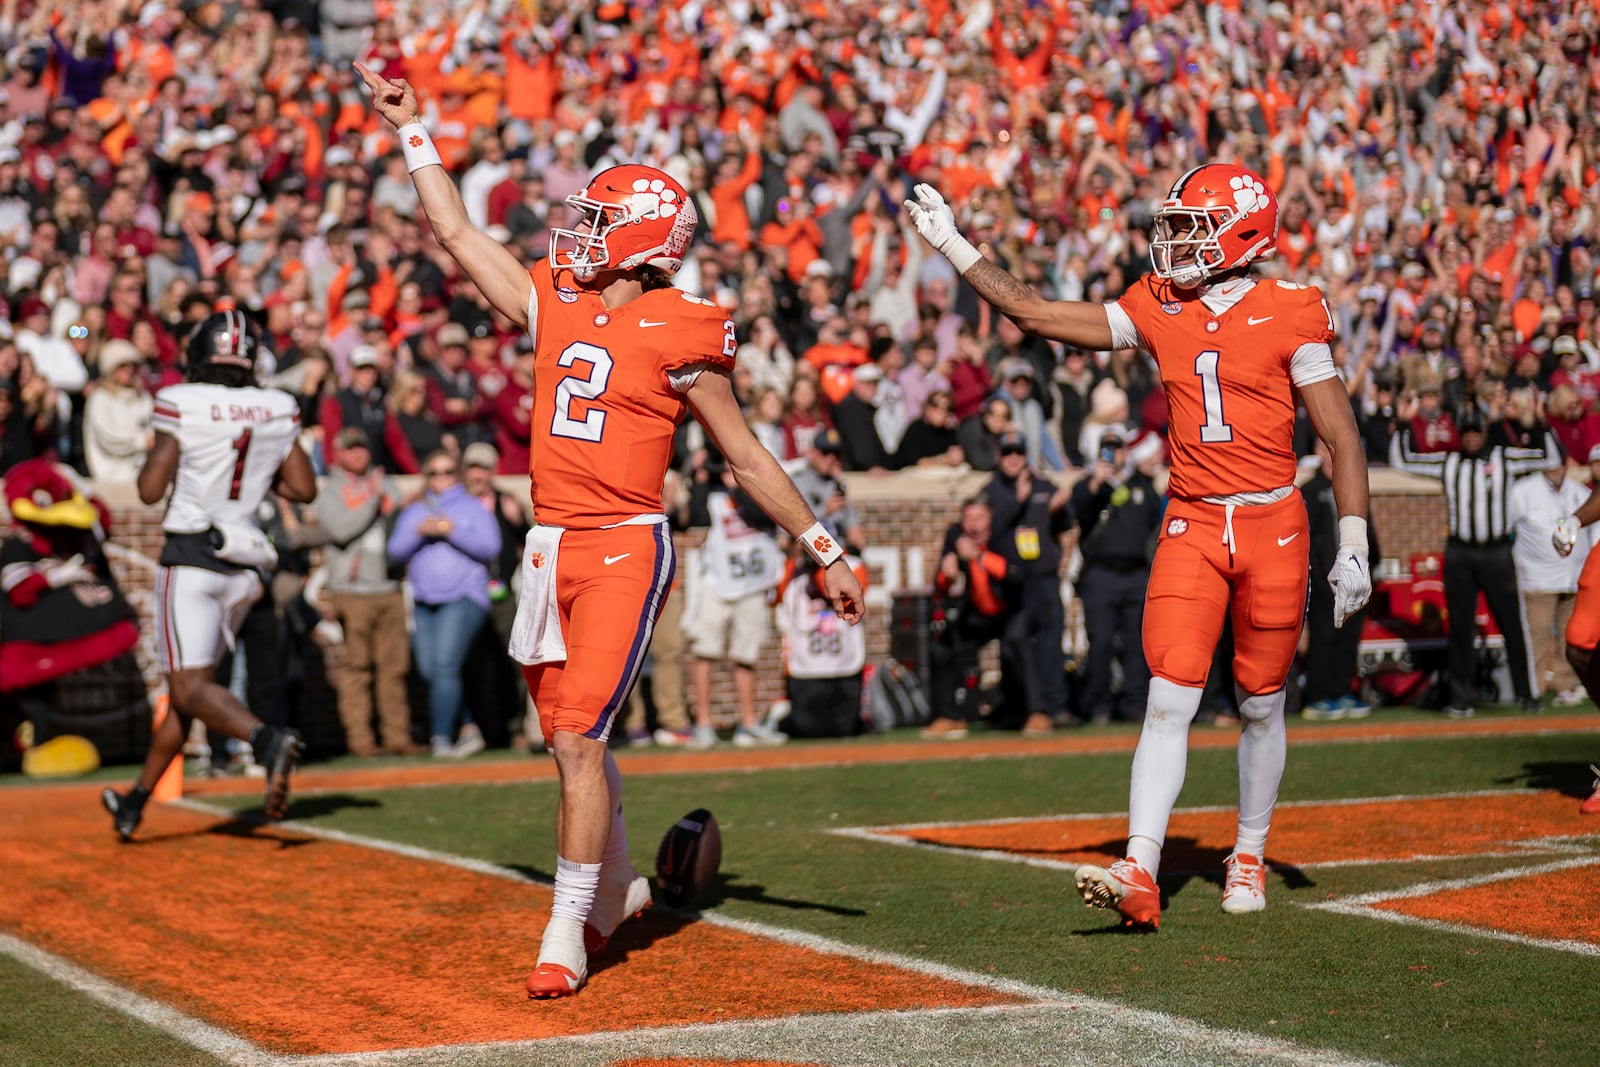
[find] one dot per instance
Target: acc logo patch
(1172, 307)
(567, 296)
(1177, 527)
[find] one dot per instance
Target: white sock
(563, 935)
(616, 872)
(1159, 765)
(1263, 752)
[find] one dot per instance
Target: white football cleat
(1244, 885)
(612, 909)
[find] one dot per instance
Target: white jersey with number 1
(233, 441)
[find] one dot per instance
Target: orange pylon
(170, 785)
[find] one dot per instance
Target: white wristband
(961, 254)
(418, 147)
(821, 545)
(1353, 533)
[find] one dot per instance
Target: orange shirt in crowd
(732, 225)
(802, 238)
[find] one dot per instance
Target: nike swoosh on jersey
(1252, 320)
(613, 559)
(1285, 540)
(647, 322)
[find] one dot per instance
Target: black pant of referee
(1468, 568)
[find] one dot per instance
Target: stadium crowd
(1436, 164)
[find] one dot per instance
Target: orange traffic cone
(170, 785)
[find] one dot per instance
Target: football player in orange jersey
(620, 356)
(1583, 629)
(1233, 353)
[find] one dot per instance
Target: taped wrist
(821, 545)
(1353, 535)
(960, 252)
(418, 147)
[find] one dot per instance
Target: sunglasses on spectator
(442, 472)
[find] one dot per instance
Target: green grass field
(1351, 986)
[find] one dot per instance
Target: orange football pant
(1197, 581)
(1583, 629)
(610, 586)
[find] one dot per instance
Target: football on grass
(687, 861)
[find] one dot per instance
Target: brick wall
(904, 516)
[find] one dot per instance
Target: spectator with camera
(970, 595)
(1119, 514)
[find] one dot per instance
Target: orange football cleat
(551, 980)
(1592, 805)
(1126, 886)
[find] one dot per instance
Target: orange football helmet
(633, 215)
(1218, 217)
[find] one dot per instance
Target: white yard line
(191, 1031)
(1363, 905)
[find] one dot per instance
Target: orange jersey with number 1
(604, 409)
(1227, 380)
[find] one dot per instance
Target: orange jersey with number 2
(1227, 380)
(604, 408)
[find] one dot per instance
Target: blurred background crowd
(1436, 164)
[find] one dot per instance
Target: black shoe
(1529, 706)
(126, 813)
(278, 752)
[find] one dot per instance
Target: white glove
(68, 572)
(1350, 579)
(937, 224)
(1565, 537)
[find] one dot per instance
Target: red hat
(31, 307)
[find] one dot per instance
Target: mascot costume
(61, 611)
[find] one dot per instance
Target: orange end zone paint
(304, 945)
(1553, 906)
(1379, 831)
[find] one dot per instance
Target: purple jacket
(443, 569)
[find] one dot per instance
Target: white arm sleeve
(1124, 334)
(684, 377)
(1311, 363)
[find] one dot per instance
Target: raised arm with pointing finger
(1236, 355)
(620, 356)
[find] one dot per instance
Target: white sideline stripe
(828, 1039)
(1210, 1042)
(1523, 851)
(1361, 904)
(1012, 820)
(895, 834)
(191, 1031)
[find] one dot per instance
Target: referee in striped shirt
(1477, 482)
